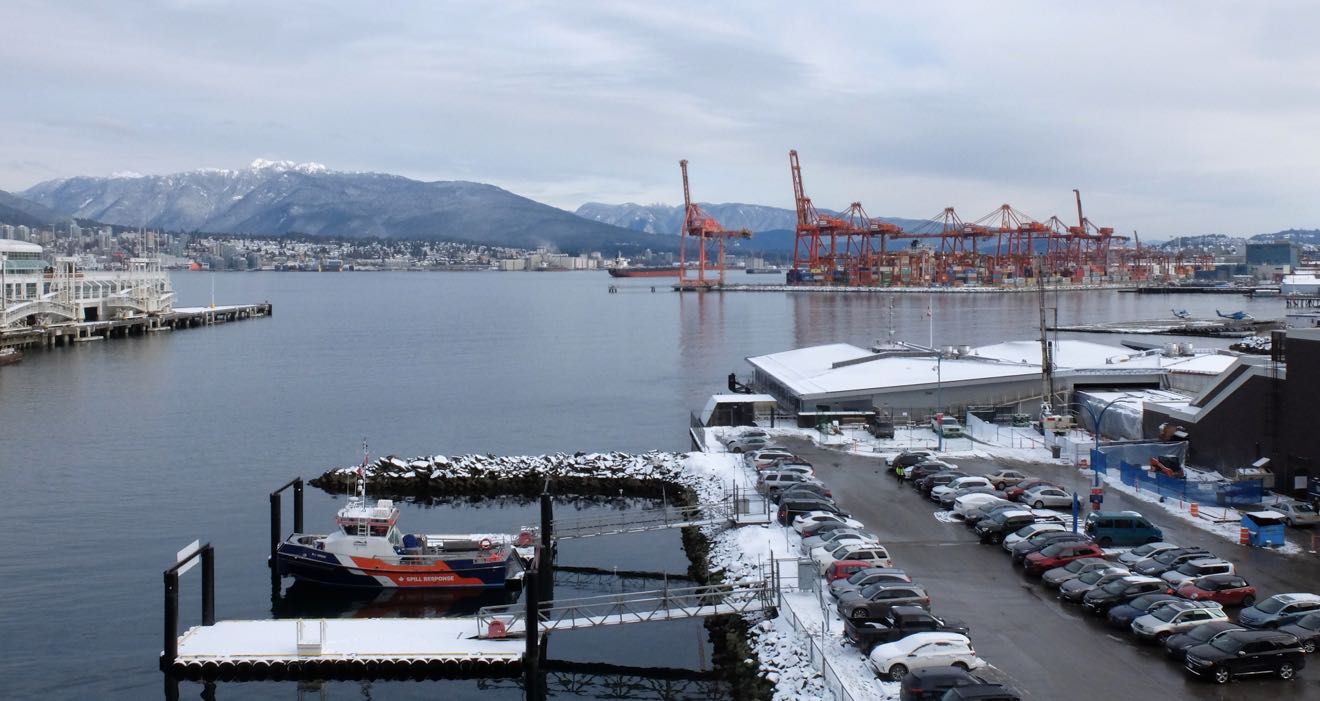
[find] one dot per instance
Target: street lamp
(939, 400)
(1097, 418)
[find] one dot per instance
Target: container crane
(701, 229)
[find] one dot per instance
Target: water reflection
(308, 600)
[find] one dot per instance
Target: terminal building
(37, 291)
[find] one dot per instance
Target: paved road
(1050, 650)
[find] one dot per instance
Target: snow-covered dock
(337, 646)
(1178, 327)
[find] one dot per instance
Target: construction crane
(812, 260)
(701, 229)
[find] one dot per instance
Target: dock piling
(275, 527)
(170, 648)
(532, 653)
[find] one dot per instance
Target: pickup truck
(900, 622)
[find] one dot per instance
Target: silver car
(1047, 497)
(1297, 513)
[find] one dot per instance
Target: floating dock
(1222, 328)
(63, 334)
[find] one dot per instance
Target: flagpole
(930, 314)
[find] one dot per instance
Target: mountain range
(282, 197)
(668, 219)
(22, 212)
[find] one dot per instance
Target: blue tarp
(1242, 493)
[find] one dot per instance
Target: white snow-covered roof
(12, 246)
(1068, 354)
(813, 371)
(718, 399)
(1205, 364)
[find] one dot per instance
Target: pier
(1224, 328)
(66, 334)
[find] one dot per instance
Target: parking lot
(1048, 649)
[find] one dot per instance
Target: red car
(1060, 554)
(845, 568)
(1227, 589)
(1015, 492)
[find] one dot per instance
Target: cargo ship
(646, 271)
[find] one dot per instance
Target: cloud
(1171, 118)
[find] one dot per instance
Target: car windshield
(1165, 613)
(1052, 550)
(858, 576)
(1204, 633)
(1270, 605)
(1146, 549)
(1311, 622)
(1143, 602)
(1167, 556)
(1076, 566)
(1092, 577)
(869, 590)
(1226, 643)
(1188, 568)
(1115, 587)
(1303, 509)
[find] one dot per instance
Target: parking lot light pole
(939, 400)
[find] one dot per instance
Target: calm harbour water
(113, 455)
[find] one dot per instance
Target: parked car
(961, 483)
(900, 622)
(1199, 567)
(1121, 528)
(1057, 576)
(981, 692)
(1178, 644)
(880, 426)
(893, 660)
(767, 456)
(770, 482)
(1058, 555)
(1099, 601)
(804, 490)
(1176, 617)
(840, 570)
(1279, 610)
(1028, 531)
(974, 515)
(964, 503)
(1241, 652)
(1123, 614)
(744, 444)
(1297, 513)
(803, 521)
(908, 458)
(937, 479)
(946, 426)
(870, 552)
(931, 683)
(792, 465)
(1014, 492)
(1141, 552)
(1307, 630)
(1075, 589)
(866, 577)
(746, 433)
(950, 499)
(1043, 540)
(1166, 560)
(1003, 477)
(822, 527)
(993, 529)
(1227, 589)
(874, 602)
(1042, 496)
(926, 467)
(790, 509)
(822, 544)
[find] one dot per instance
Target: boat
(9, 356)
(368, 551)
(765, 271)
(645, 271)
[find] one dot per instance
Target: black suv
(930, 683)
(994, 528)
(1241, 652)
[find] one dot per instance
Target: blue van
(1108, 528)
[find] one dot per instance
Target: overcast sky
(1171, 117)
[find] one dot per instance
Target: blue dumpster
(1265, 528)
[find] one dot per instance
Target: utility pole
(1046, 361)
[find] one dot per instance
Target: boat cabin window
(379, 530)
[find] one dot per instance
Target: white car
(764, 457)
(1141, 552)
(745, 444)
(873, 554)
(1028, 531)
(932, 649)
(967, 502)
(817, 547)
(1046, 496)
(1197, 568)
(748, 433)
(801, 468)
(811, 517)
(960, 483)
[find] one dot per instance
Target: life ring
(525, 539)
(485, 544)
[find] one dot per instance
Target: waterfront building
(36, 291)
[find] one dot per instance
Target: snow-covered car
(872, 553)
(746, 444)
(1047, 497)
(1005, 477)
(819, 545)
(965, 503)
(1192, 569)
(804, 520)
(765, 457)
(933, 649)
(1028, 531)
(799, 467)
(1141, 552)
(746, 433)
(960, 483)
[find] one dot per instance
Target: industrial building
(905, 379)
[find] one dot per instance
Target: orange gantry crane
(702, 231)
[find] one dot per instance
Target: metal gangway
(633, 607)
(740, 508)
